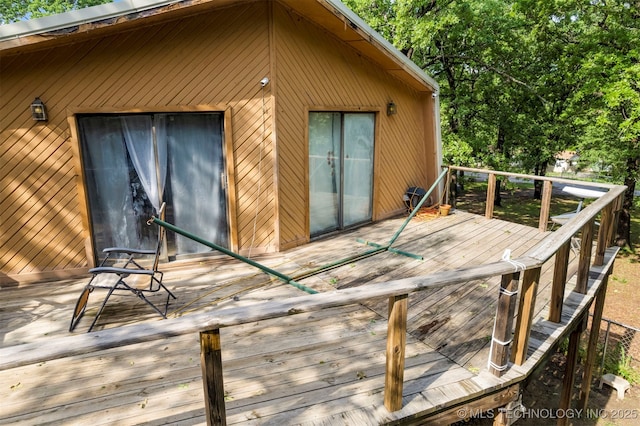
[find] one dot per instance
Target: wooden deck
(319, 368)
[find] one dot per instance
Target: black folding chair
(130, 268)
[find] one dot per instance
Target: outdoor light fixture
(392, 108)
(38, 110)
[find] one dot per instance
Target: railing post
(592, 346)
(528, 291)
(559, 282)
(616, 217)
(396, 343)
(570, 370)
(604, 234)
(491, 196)
(586, 248)
(211, 364)
(502, 329)
(545, 205)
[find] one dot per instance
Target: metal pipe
(339, 263)
(378, 247)
(228, 252)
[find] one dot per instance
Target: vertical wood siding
(214, 58)
(315, 70)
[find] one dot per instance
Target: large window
(340, 170)
(135, 162)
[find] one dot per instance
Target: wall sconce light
(392, 108)
(38, 110)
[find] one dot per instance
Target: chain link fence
(619, 347)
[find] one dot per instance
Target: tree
(19, 10)
(483, 54)
(608, 105)
(524, 79)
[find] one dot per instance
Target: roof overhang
(331, 15)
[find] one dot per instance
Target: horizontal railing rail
(79, 344)
(208, 324)
(535, 177)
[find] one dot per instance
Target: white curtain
(148, 155)
(180, 151)
(196, 166)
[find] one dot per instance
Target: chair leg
(169, 295)
(80, 307)
(142, 297)
(160, 285)
(103, 305)
(121, 285)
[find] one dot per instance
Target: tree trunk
(497, 201)
(623, 237)
(540, 170)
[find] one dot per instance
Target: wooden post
(606, 224)
(211, 364)
(559, 282)
(616, 217)
(502, 333)
(491, 196)
(592, 347)
(570, 371)
(586, 248)
(528, 291)
(545, 205)
(396, 342)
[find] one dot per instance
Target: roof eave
(74, 18)
(55, 27)
(407, 64)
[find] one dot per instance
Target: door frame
(376, 158)
(78, 164)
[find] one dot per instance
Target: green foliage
(522, 80)
(18, 10)
(609, 99)
(499, 105)
(619, 363)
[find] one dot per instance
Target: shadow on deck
(315, 366)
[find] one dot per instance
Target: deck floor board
(319, 368)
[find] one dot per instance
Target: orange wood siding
(214, 58)
(317, 71)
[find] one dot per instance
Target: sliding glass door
(340, 170)
(134, 162)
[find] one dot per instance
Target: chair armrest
(561, 219)
(128, 250)
(114, 270)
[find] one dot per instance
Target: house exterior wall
(314, 72)
(213, 60)
(210, 61)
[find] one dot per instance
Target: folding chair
(561, 219)
(130, 268)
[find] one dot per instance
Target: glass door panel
(133, 162)
(340, 170)
(358, 168)
(118, 203)
(195, 179)
(324, 172)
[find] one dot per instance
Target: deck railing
(556, 244)
(397, 291)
